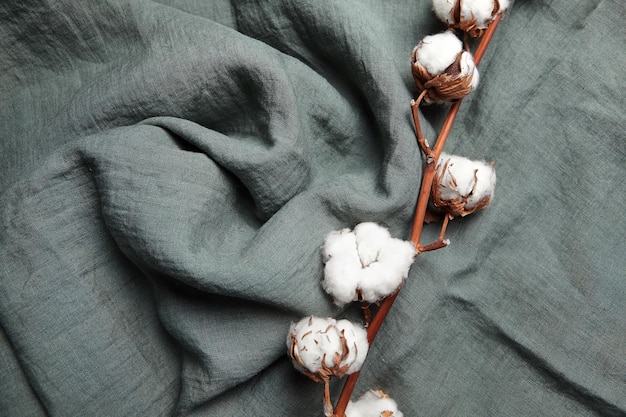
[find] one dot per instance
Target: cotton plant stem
(421, 140)
(418, 220)
(372, 330)
(484, 41)
(427, 179)
(328, 405)
(367, 312)
(429, 172)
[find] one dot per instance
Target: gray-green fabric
(170, 169)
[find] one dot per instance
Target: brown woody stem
(328, 405)
(367, 312)
(418, 220)
(421, 140)
(372, 330)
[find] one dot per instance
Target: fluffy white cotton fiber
(473, 17)
(324, 347)
(364, 263)
(438, 52)
(462, 186)
(373, 404)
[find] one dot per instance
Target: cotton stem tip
(470, 16)
(443, 68)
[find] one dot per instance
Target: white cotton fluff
(373, 404)
(341, 259)
(323, 347)
(370, 239)
(366, 260)
(437, 52)
(443, 10)
(469, 67)
(460, 179)
(358, 346)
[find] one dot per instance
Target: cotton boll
(474, 16)
(442, 68)
(369, 239)
(323, 347)
(373, 403)
(438, 52)
(462, 186)
(317, 343)
(366, 262)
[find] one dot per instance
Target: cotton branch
(420, 212)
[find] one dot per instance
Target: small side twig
(367, 312)
(328, 405)
(421, 140)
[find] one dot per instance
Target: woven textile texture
(169, 170)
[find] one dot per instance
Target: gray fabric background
(169, 171)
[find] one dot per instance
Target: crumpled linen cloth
(170, 170)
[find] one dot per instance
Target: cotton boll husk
(369, 240)
(438, 52)
(462, 186)
(373, 404)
